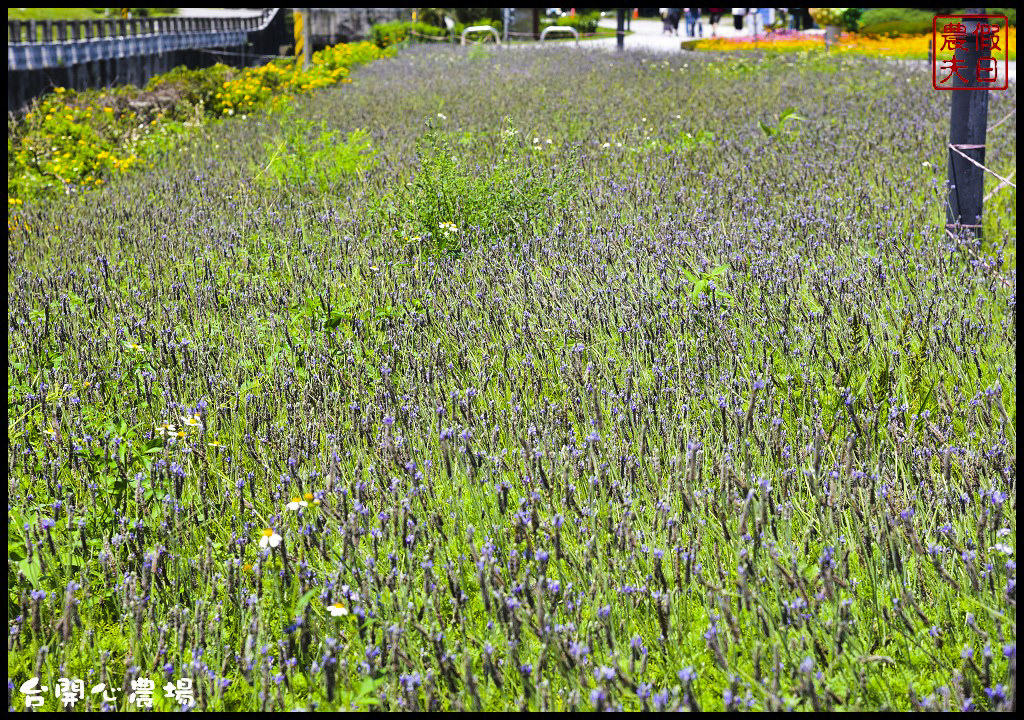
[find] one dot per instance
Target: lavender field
(546, 380)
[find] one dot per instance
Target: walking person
(800, 19)
(693, 23)
(673, 18)
(714, 16)
(666, 24)
(737, 18)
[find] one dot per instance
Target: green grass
(640, 425)
(82, 13)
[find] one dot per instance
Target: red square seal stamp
(971, 52)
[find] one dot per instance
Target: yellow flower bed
(908, 47)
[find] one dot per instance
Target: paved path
(649, 35)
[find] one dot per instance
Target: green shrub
(473, 15)
(583, 24)
(850, 20)
(496, 24)
(385, 35)
(432, 16)
(895, 21)
(1010, 13)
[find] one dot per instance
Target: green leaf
(31, 569)
(367, 695)
(303, 601)
(334, 320)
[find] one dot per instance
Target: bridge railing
(78, 54)
(47, 31)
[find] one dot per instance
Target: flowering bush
(63, 142)
(71, 141)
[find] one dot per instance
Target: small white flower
(606, 145)
(926, 164)
(548, 141)
(269, 537)
(191, 421)
(1003, 548)
(165, 429)
(337, 610)
(536, 140)
(442, 116)
(296, 503)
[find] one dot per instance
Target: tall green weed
(455, 196)
(310, 153)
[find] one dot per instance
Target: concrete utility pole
(968, 120)
(620, 30)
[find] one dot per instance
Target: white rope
(997, 188)
(441, 38)
(1010, 115)
(956, 149)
